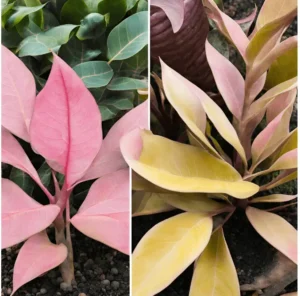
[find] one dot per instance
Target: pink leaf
(275, 230)
(37, 256)
(66, 123)
(18, 95)
(229, 80)
(109, 159)
(13, 154)
(174, 11)
(22, 216)
(104, 215)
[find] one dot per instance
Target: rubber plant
(86, 35)
(206, 182)
(63, 124)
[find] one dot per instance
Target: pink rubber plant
(63, 124)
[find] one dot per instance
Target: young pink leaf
(66, 123)
(37, 256)
(229, 80)
(109, 159)
(174, 11)
(275, 230)
(18, 95)
(13, 154)
(22, 216)
(227, 26)
(104, 215)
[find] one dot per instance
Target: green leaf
(128, 38)
(219, 42)
(45, 174)
(76, 52)
(6, 12)
(44, 42)
(116, 9)
(38, 16)
(109, 108)
(131, 4)
(74, 11)
(133, 66)
(142, 6)
(60, 178)
(21, 12)
(10, 39)
(94, 74)
(92, 5)
(22, 180)
(125, 83)
(27, 28)
(50, 20)
(92, 26)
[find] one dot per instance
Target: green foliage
(104, 41)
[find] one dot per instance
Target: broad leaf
(116, 10)
(18, 95)
(214, 272)
(109, 158)
(44, 42)
(229, 81)
(275, 230)
(66, 114)
(128, 38)
(95, 73)
(167, 250)
(107, 204)
(27, 28)
(174, 11)
(148, 203)
(21, 12)
(45, 173)
(38, 16)
(273, 198)
(76, 52)
(110, 107)
(92, 26)
(194, 98)
(22, 216)
(126, 83)
(37, 256)
(180, 167)
(73, 11)
(13, 154)
(22, 179)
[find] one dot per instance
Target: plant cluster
(220, 165)
(104, 41)
(63, 125)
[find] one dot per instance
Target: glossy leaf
(110, 107)
(195, 100)
(73, 11)
(176, 167)
(76, 52)
(18, 95)
(38, 16)
(109, 158)
(174, 11)
(13, 154)
(275, 230)
(128, 37)
(28, 28)
(126, 83)
(273, 198)
(167, 250)
(67, 114)
(116, 10)
(148, 203)
(214, 272)
(22, 216)
(92, 26)
(37, 256)
(107, 204)
(20, 13)
(94, 74)
(44, 42)
(229, 81)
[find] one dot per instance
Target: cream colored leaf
(274, 198)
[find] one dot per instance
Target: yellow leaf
(290, 144)
(191, 103)
(214, 273)
(167, 250)
(273, 198)
(147, 203)
(180, 167)
(141, 184)
(275, 230)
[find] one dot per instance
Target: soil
(99, 270)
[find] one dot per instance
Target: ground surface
(99, 271)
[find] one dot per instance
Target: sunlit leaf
(273, 198)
